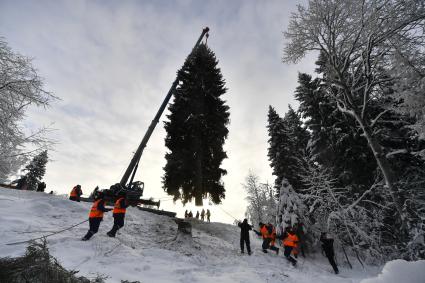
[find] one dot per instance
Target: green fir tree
(287, 144)
(196, 131)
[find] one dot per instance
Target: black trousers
(118, 223)
(94, 224)
(287, 254)
(246, 241)
(266, 245)
(331, 259)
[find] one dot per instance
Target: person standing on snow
(76, 193)
(328, 248)
(118, 213)
(96, 216)
(208, 215)
(245, 227)
(203, 214)
(186, 214)
(290, 241)
(197, 214)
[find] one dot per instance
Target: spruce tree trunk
(384, 166)
(199, 188)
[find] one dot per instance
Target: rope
(54, 233)
(228, 213)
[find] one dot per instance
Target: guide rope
(228, 213)
(45, 236)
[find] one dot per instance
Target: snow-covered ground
(144, 249)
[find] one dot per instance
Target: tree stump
(184, 227)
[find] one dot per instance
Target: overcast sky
(112, 63)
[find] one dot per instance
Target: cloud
(112, 62)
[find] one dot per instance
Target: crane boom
(132, 167)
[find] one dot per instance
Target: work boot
(87, 236)
(249, 253)
(265, 251)
(110, 234)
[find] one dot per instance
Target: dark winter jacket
(245, 227)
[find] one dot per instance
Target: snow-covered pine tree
(276, 141)
(336, 141)
(196, 131)
(358, 69)
(36, 170)
(290, 208)
(287, 143)
(337, 145)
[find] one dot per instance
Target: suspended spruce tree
(196, 131)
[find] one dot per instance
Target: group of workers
(290, 239)
(203, 214)
(290, 242)
(98, 209)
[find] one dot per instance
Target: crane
(133, 189)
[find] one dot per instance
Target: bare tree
(20, 87)
(408, 65)
(262, 205)
(357, 39)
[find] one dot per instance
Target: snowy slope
(144, 249)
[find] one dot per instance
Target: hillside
(144, 249)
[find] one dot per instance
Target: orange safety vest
(74, 192)
(291, 240)
(95, 212)
(118, 208)
(264, 232)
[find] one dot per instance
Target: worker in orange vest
(290, 241)
(266, 234)
(120, 207)
(76, 193)
(96, 215)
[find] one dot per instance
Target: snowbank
(145, 249)
(400, 271)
